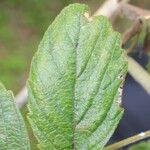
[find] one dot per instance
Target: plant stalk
(128, 141)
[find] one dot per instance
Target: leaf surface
(74, 82)
(141, 146)
(13, 135)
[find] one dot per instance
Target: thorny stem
(129, 140)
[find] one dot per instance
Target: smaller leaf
(141, 146)
(13, 135)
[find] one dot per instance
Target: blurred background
(22, 25)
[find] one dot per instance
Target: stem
(139, 74)
(133, 12)
(109, 8)
(21, 97)
(132, 31)
(128, 141)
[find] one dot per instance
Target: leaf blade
(141, 146)
(71, 80)
(12, 129)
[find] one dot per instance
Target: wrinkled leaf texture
(13, 134)
(74, 82)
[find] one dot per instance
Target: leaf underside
(74, 82)
(13, 135)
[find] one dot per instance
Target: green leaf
(13, 135)
(141, 146)
(74, 82)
